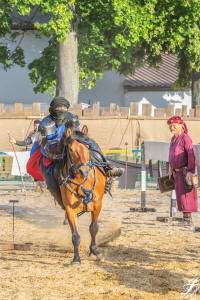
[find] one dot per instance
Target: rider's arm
(26, 142)
(29, 140)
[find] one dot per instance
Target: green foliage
(60, 14)
(8, 57)
(175, 30)
(43, 70)
(105, 42)
(118, 35)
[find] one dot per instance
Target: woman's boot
(187, 218)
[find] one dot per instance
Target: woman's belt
(179, 169)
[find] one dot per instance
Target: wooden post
(143, 177)
(197, 111)
(184, 110)
(134, 108)
(96, 109)
(36, 109)
(146, 109)
(1, 108)
(46, 110)
(19, 109)
(192, 113)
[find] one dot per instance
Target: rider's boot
(109, 170)
(115, 172)
(110, 173)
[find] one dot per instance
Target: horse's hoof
(93, 257)
(75, 262)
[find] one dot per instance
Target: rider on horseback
(51, 130)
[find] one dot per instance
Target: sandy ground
(149, 260)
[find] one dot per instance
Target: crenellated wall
(18, 110)
(111, 127)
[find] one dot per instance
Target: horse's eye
(70, 150)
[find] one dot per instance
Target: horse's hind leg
(93, 233)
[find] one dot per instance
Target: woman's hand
(170, 173)
(189, 177)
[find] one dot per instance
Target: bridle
(88, 195)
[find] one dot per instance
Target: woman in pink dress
(182, 161)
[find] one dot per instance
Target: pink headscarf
(177, 119)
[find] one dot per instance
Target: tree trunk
(195, 88)
(67, 76)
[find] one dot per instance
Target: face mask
(59, 116)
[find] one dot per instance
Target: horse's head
(78, 148)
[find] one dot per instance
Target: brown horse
(82, 187)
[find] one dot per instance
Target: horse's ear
(68, 132)
(85, 130)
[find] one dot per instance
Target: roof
(34, 16)
(147, 78)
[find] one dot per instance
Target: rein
(88, 195)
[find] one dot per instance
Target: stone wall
(96, 111)
(111, 127)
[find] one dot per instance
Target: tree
(98, 40)
(118, 35)
(175, 29)
(9, 58)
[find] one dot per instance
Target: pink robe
(181, 154)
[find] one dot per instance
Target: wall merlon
(95, 111)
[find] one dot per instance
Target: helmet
(47, 127)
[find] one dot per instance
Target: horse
(82, 187)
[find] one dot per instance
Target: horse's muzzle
(84, 172)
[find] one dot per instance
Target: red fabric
(177, 119)
(46, 161)
(181, 154)
(32, 166)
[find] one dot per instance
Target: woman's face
(176, 129)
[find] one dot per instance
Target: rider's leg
(52, 183)
(108, 168)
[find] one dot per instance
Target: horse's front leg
(93, 233)
(72, 219)
(76, 243)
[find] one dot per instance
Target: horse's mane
(77, 135)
